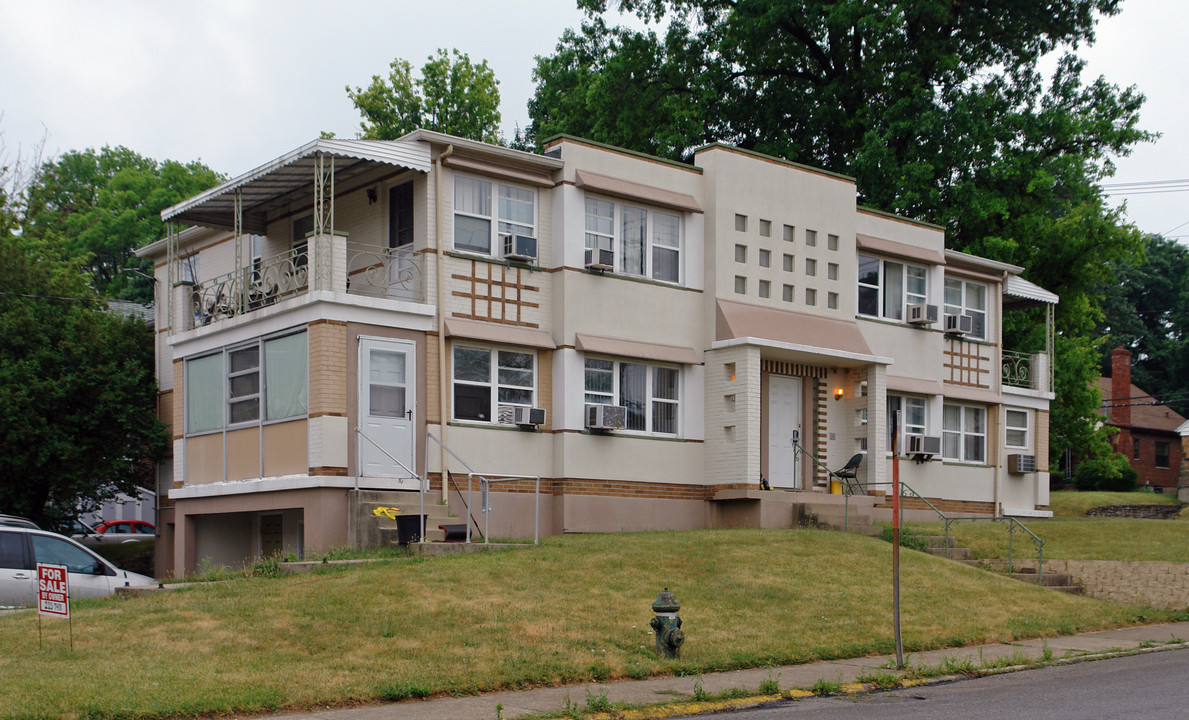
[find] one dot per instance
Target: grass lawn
(575, 609)
(1070, 535)
(1074, 503)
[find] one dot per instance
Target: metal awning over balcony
(1018, 292)
(290, 178)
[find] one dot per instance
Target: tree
(937, 108)
(453, 95)
(1146, 310)
(77, 393)
(100, 206)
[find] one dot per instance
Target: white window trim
(616, 237)
(1008, 427)
(922, 429)
(493, 383)
(906, 298)
(261, 390)
(494, 220)
(649, 392)
(965, 309)
(963, 433)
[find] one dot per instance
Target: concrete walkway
(681, 689)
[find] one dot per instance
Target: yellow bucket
(835, 487)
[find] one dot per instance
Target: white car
(89, 575)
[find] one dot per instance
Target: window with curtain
(204, 394)
(1016, 428)
(651, 393)
(286, 365)
(912, 418)
(887, 288)
(483, 209)
(248, 384)
(647, 241)
(968, 298)
(964, 433)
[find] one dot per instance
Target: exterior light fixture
(371, 196)
(838, 393)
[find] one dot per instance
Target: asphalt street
(1150, 686)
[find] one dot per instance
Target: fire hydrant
(666, 625)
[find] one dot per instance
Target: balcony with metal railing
(1028, 371)
(369, 270)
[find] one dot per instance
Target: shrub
(1111, 473)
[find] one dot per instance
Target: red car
(125, 527)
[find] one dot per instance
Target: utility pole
(896, 538)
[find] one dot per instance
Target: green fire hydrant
(666, 625)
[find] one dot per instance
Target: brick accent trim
(603, 488)
(335, 471)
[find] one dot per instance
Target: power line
(51, 297)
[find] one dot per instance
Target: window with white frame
(649, 240)
(264, 381)
(651, 393)
(963, 297)
(912, 418)
(887, 287)
(1016, 428)
(964, 433)
(487, 378)
(484, 209)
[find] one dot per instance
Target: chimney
(1120, 412)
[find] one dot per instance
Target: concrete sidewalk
(681, 689)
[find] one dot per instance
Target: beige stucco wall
(285, 448)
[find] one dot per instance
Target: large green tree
(100, 206)
(453, 95)
(937, 108)
(1146, 310)
(77, 394)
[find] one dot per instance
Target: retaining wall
(1153, 584)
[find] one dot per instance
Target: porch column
(733, 415)
(329, 427)
(877, 425)
(328, 261)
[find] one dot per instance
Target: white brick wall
(733, 415)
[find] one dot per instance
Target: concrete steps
(1053, 581)
(380, 530)
(941, 546)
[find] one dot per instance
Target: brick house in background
(1148, 431)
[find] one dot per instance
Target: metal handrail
(484, 483)
(422, 481)
(850, 488)
(1012, 524)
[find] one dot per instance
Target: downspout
(443, 391)
(1001, 413)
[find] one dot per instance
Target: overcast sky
(236, 83)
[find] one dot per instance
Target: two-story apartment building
(652, 340)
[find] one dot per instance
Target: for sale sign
(53, 595)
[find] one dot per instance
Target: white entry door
(784, 420)
(387, 393)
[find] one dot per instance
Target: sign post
(896, 538)
(53, 596)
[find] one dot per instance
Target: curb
(680, 709)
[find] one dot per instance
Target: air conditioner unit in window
(923, 447)
(1020, 464)
(522, 248)
(922, 314)
(518, 415)
(958, 324)
(600, 259)
(606, 417)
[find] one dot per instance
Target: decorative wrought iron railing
(1017, 369)
(250, 288)
(393, 273)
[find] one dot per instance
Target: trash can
(408, 528)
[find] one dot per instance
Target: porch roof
(804, 338)
(290, 177)
(1018, 292)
